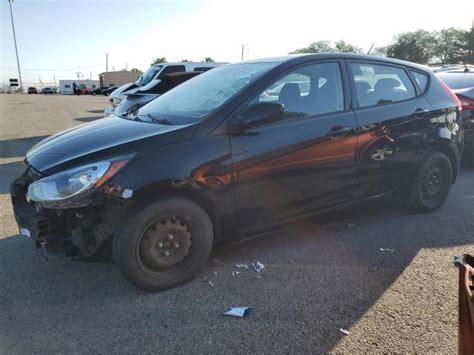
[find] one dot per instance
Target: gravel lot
(319, 276)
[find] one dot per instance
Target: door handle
(420, 112)
(338, 131)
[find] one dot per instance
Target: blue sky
(61, 37)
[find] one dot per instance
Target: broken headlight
(68, 187)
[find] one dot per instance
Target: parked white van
(153, 74)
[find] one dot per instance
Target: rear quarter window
(421, 79)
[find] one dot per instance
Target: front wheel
(431, 184)
(164, 245)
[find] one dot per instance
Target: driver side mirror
(260, 114)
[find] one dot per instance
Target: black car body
(32, 90)
(138, 97)
(461, 82)
(236, 152)
(108, 91)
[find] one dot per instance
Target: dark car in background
(236, 152)
(32, 90)
(136, 98)
(108, 91)
(98, 91)
(47, 91)
(461, 81)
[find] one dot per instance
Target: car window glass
(421, 79)
(172, 69)
(380, 84)
(458, 80)
(307, 91)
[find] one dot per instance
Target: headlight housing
(69, 188)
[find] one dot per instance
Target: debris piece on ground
(258, 266)
(386, 249)
(215, 272)
(350, 225)
(211, 283)
(456, 260)
(242, 266)
(259, 277)
(344, 331)
(235, 273)
(238, 311)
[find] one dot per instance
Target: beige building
(118, 78)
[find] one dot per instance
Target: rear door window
(377, 84)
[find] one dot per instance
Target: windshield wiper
(162, 121)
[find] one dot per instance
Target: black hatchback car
(238, 151)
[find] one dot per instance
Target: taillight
(467, 104)
(451, 94)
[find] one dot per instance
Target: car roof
(297, 58)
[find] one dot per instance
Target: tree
(315, 47)
(419, 46)
(185, 60)
(159, 60)
(209, 59)
(325, 46)
(450, 45)
(342, 46)
(468, 56)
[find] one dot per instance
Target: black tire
(431, 184)
(142, 261)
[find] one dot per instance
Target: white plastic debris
(238, 311)
(211, 283)
(258, 266)
(242, 266)
(127, 193)
(386, 249)
(344, 331)
(259, 277)
(215, 272)
(350, 225)
(235, 273)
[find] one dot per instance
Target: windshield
(198, 97)
(148, 76)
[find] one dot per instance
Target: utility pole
(16, 48)
(242, 56)
(106, 62)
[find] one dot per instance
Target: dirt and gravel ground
(319, 276)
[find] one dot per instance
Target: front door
(305, 161)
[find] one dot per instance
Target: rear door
(304, 162)
(394, 121)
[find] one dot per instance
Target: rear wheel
(431, 184)
(164, 245)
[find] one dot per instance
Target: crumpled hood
(103, 138)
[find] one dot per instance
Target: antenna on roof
(370, 50)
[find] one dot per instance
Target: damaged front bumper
(78, 232)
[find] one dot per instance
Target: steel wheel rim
(433, 180)
(165, 245)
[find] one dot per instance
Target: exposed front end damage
(78, 232)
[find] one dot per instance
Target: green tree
(468, 56)
(325, 46)
(342, 46)
(185, 60)
(159, 60)
(209, 59)
(450, 45)
(315, 47)
(419, 46)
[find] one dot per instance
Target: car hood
(102, 138)
(121, 89)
